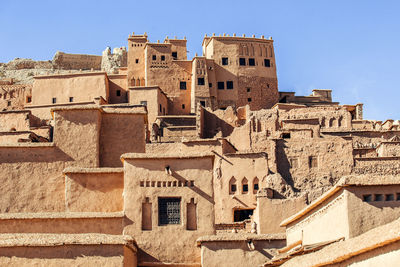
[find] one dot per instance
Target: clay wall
(389, 149)
(238, 253)
(76, 61)
(14, 96)
(363, 215)
(271, 212)
(66, 255)
(178, 46)
(146, 180)
(239, 170)
(14, 121)
(136, 60)
(377, 165)
(311, 228)
(219, 123)
(121, 133)
(94, 192)
(118, 85)
(81, 87)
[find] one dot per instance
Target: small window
(224, 61)
(169, 211)
(378, 197)
(160, 108)
(154, 57)
(200, 81)
(137, 61)
(71, 99)
(28, 99)
(210, 85)
(389, 197)
(245, 188)
(367, 198)
(174, 55)
(286, 135)
(144, 103)
(183, 106)
(54, 100)
(203, 103)
(252, 62)
(242, 61)
(162, 58)
(255, 187)
(267, 63)
(233, 188)
(312, 162)
(249, 99)
(248, 89)
(398, 196)
(221, 85)
(182, 85)
(229, 84)
(118, 92)
(294, 162)
(8, 103)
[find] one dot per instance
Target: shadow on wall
(194, 188)
(36, 154)
(283, 163)
(213, 124)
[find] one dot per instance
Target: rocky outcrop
(112, 61)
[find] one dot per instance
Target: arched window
(340, 121)
(255, 185)
(323, 122)
(331, 121)
(133, 82)
(245, 186)
(232, 186)
(138, 82)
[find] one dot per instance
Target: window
(229, 85)
(174, 55)
(160, 108)
(294, 162)
(367, 198)
(389, 197)
(137, 61)
(233, 188)
(398, 196)
(242, 61)
(162, 58)
(28, 99)
(378, 197)
(245, 186)
(144, 103)
(252, 62)
(286, 135)
(183, 106)
(9, 103)
(312, 162)
(203, 103)
(169, 211)
(182, 85)
(224, 61)
(54, 100)
(210, 85)
(255, 185)
(248, 89)
(241, 215)
(118, 92)
(154, 57)
(200, 81)
(267, 63)
(71, 99)
(221, 85)
(249, 99)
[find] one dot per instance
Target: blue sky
(349, 46)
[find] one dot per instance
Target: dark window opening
(248, 90)
(233, 188)
(312, 162)
(28, 99)
(389, 197)
(144, 103)
(286, 135)
(245, 188)
(255, 186)
(241, 215)
(210, 85)
(169, 211)
(174, 55)
(162, 58)
(200, 81)
(378, 197)
(118, 92)
(249, 99)
(182, 85)
(154, 57)
(267, 63)
(183, 106)
(367, 198)
(203, 103)
(229, 85)
(283, 99)
(224, 61)
(71, 99)
(160, 108)
(252, 62)
(398, 196)
(8, 103)
(54, 100)
(221, 85)
(137, 61)
(242, 61)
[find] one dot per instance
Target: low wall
(377, 165)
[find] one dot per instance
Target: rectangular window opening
(28, 99)
(71, 99)
(252, 62)
(54, 100)
(162, 58)
(183, 106)
(249, 99)
(174, 55)
(242, 61)
(378, 197)
(242, 215)
(210, 85)
(224, 61)
(248, 89)
(389, 197)
(154, 57)
(200, 81)
(267, 63)
(203, 103)
(169, 211)
(229, 85)
(221, 85)
(137, 61)
(367, 198)
(118, 92)
(182, 85)
(144, 103)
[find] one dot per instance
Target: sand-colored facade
(170, 161)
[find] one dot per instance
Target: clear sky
(349, 46)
